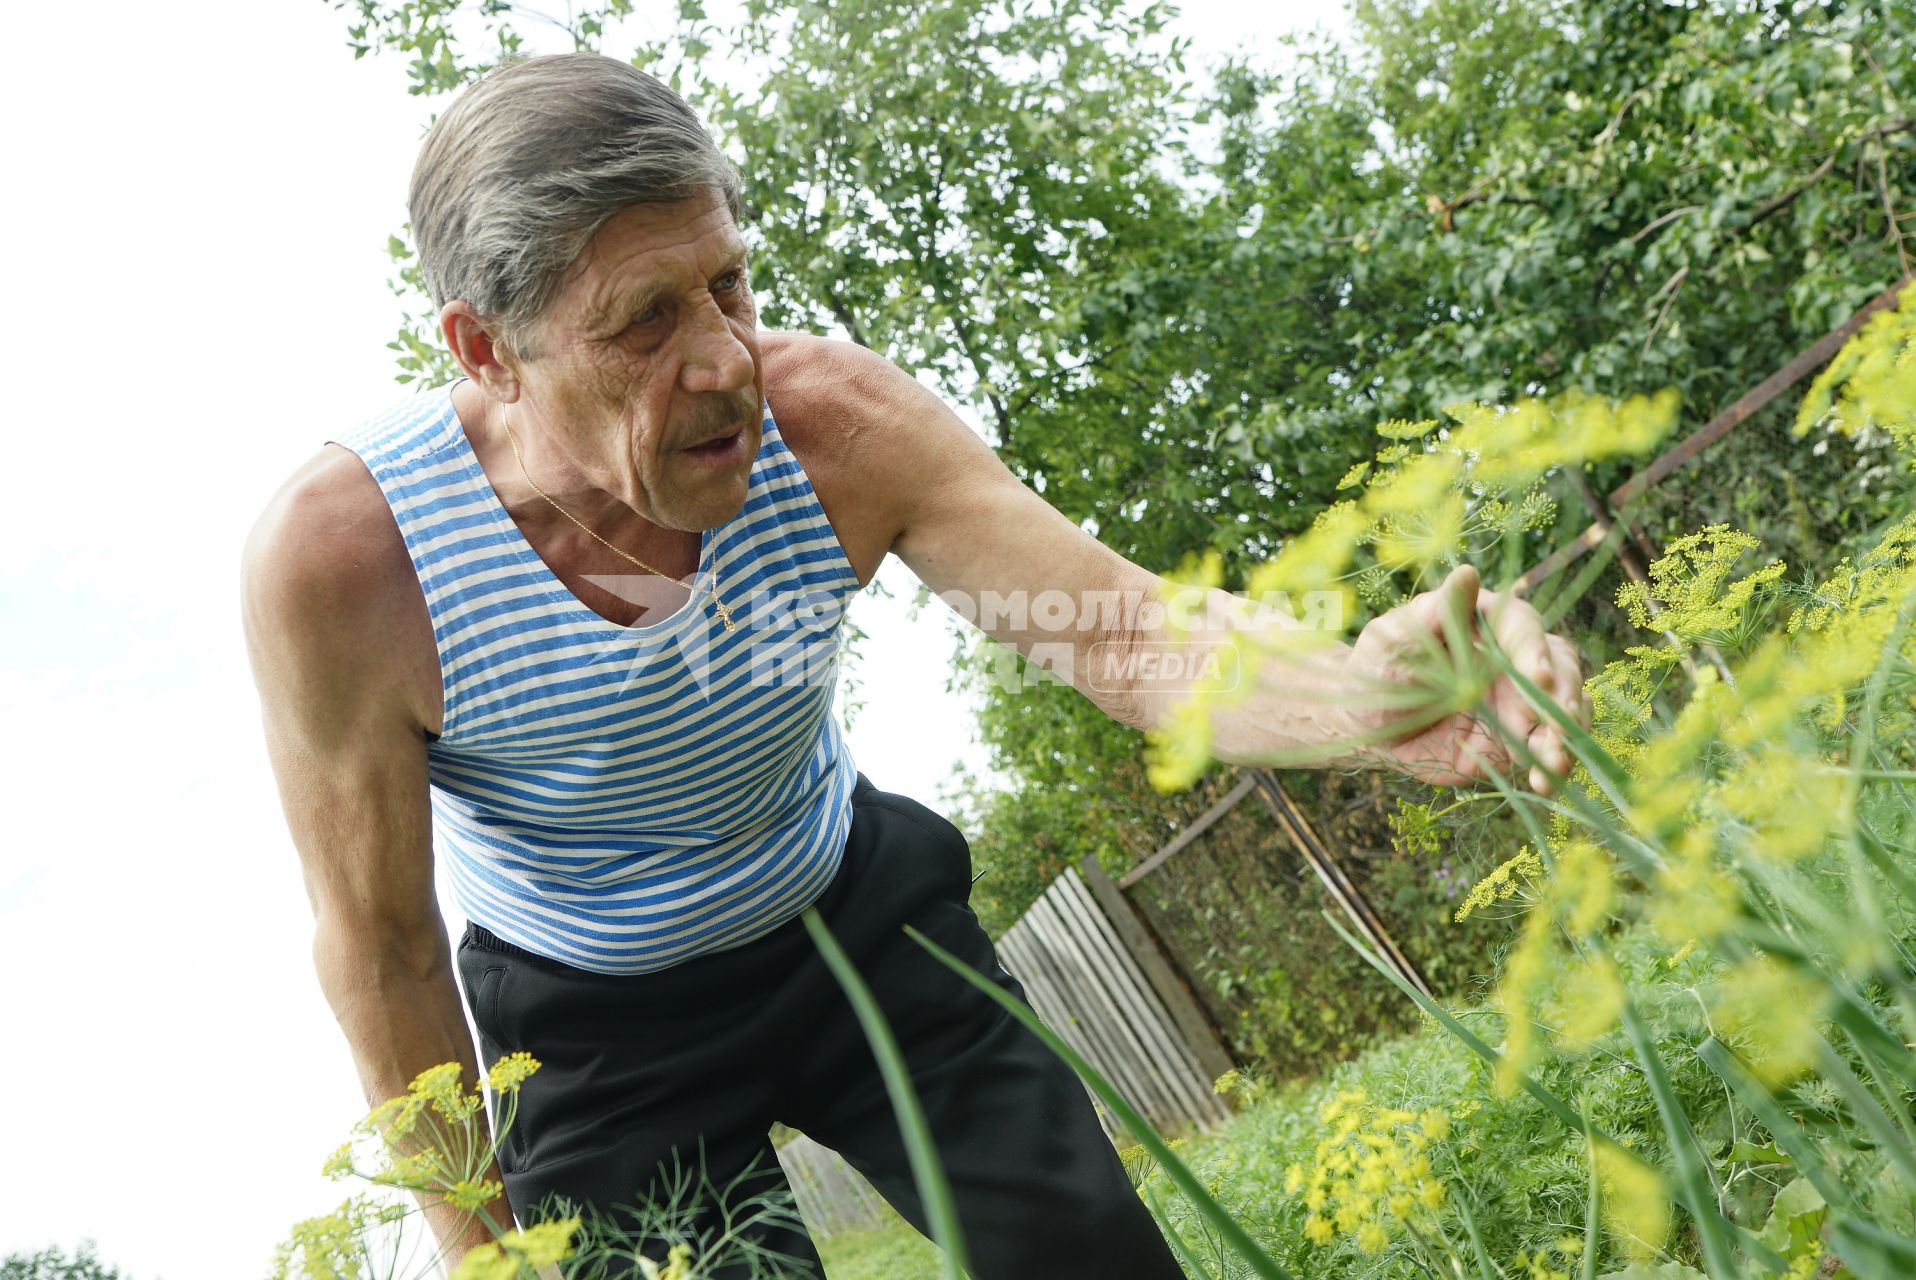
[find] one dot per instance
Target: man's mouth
(718, 449)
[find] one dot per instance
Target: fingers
(1455, 605)
(1567, 678)
(1551, 663)
(1551, 756)
(1506, 730)
(1446, 610)
(1518, 628)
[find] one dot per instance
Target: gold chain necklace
(725, 614)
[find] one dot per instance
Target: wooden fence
(1094, 979)
(832, 1196)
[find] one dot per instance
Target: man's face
(650, 352)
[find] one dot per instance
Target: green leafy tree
(1180, 312)
(52, 1263)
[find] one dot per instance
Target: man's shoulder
(326, 553)
(831, 399)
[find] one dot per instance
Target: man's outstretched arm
(1016, 567)
(350, 760)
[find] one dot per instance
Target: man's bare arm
(348, 751)
(1012, 564)
(976, 535)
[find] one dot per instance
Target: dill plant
(1714, 915)
(433, 1140)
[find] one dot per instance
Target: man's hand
(1409, 667)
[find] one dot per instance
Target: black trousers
(679, 1074)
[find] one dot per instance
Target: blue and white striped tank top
(621, 799)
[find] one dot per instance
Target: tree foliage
(53, 1263)
(1181, 307)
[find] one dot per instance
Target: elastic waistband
(486, 940)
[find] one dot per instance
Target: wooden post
(1341, 888)
(1810, 359)
(1187, 1011)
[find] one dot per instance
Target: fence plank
(1162, 1055)
(831, 1195)
(1188, 1013)
(1131, 1067)
(1023, 957)
(1197, 828)
(1808, 361)
(1159, 1037)
(1099, 1020)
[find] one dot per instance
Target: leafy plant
(52, 1263)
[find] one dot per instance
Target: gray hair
(520, 172)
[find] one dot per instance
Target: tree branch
(1788, 198)
(1889, 207)
(843, 314)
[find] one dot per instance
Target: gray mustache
(727, 411)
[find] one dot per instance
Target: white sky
(198, 203)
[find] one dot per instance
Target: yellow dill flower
(1316, 559)
(1693, 899)
(1522, 975)
(511, 1071)
(416, 1170)
(1415, 487)
(1177, 750)
(1691, 584)
(1787, 805)
(1404, 429)
(1874, 373)
(486, 1262)
(393, 1118)
(328, 1246)
(340, 1163)
(504, 1259)
(1771, 1013)
(1370, 1171)
(1810, 1264)
(1503, 883)
(1633, 1201)
(1700, 721)
(1583, 887)
(678, 1264)
(1660, 805)
(1416, 828)
(1766, 702)
(472, 1195)
(1432, 537)
(1587, 1002)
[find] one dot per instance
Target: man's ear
(484, 358)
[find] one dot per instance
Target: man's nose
(715, 359)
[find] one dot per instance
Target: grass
(894, 1251)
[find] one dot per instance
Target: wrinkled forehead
(645, 252)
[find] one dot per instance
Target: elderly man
(572, 620)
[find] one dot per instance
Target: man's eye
(647, 316)
(731, 280)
